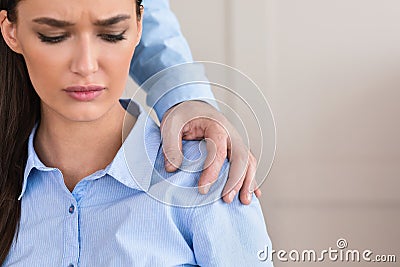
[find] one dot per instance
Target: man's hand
(197, 120)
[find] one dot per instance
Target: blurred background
(330, 71)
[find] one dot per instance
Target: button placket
(71, 230)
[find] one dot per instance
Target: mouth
(84, 93)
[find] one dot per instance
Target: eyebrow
(62, 23)
(113, 20)
(53, 22)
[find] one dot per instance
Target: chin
(74, 111)
(83, 114)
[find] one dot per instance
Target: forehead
(74, 10)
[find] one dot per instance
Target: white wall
(330, 70)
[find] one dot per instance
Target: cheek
(117, 64)
(44, 67)
(121, 54)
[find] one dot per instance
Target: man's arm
(162, 46)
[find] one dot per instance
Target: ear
(139, 25)
(9, 32)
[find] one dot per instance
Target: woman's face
(77, 52)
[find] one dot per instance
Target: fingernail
(168, 166)
(204, 189)
(232, 195)
(249, 196)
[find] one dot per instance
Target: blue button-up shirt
(134, 213)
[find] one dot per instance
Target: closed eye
(108, 37)
(52, 39)
(113, 38)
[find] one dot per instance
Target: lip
(84, 92)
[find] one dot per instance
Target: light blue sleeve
(230, 235)
(218, 233)
(162, 46)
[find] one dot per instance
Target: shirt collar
(134, 162)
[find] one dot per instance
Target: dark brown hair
(19, 111)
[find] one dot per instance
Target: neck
(79, 149)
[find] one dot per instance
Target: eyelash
(52, 40)
(111, 38)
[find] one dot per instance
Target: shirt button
(71, 210)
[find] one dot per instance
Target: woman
(63, 71)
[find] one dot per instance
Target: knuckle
(220, 136)
(220, 155)
(171, 151)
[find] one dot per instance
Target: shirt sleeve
(230, 235)
(162, 46)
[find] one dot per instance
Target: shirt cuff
(201, 92)
(178, 84)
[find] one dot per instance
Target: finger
(246, 192)
(192, 130)
(172, 156)
(258, 192)
(229, 196)
(171, 133)
(216, 155)
(237, 171)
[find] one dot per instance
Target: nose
(84, 58)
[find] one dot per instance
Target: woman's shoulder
(180, 188)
